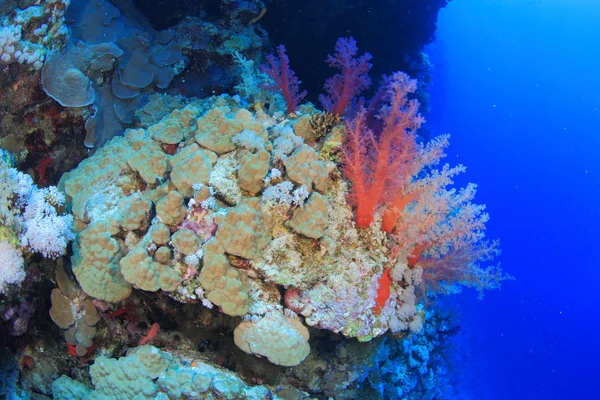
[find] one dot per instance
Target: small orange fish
(383, 293)
(151, 334)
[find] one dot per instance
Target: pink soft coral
(352, 79)
(285, 78)
(420, 180)
(443, 232)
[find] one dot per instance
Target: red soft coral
(285, 79)
(376, 166)
(383, 291)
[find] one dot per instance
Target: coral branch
(377, 166)
(443, 233)
(352, 79)
(285, 79)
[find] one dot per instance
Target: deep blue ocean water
(518, 86)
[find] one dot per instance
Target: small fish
(151, 334)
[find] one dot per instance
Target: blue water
(518, 87)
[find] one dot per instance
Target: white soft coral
(11, 266)
(31, 214)
(45, 231)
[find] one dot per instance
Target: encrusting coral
(147, 372)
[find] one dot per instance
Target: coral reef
(223, 246)
(28, 35)
(99, 73)
(172, 209)
(331, 270)
(150, 371)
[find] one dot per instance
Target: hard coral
(284, 341)
(225, 285)
(245, 230)
(95, 263)
(147, 372)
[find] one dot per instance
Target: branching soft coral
(443, 233)
(285, 78)
(464, 265)
(377, 165)
(437, 229)
(351, 80)
(420, 179)
(440, 222)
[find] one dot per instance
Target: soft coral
(376, 165)
(352, 79)
(420, 180)
(443, 233)
(285, 78)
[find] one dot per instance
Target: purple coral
(285, 79)
(17, 317)
(352, 79)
